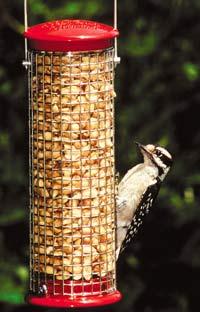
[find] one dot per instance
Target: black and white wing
(142, 211)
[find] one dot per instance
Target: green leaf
(92, 8)
(11, 290)
(194, 179)
(12, 297)
(164, 141)
(176, 200)
(138, 45)
(22, 273)
(191, 71)
(5, 87)
(140, 23)
(132, 262)
(4, 140)
(12, 217)
(189, 195)
(2, 72)
(72, 8)
(38, 7)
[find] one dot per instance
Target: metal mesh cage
(72, 173)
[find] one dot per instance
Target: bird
(137, 192)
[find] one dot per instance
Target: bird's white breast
(133, 186)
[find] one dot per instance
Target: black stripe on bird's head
(158, 156)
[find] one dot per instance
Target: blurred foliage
(158, 101)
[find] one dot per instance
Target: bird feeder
(72, 164)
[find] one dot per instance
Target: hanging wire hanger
(117, 59)
(26, 63)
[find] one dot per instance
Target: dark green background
(158, 101)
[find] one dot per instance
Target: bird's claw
(120, 202)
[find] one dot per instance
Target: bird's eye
(158, 153)
(166, 160)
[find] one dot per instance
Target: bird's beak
(139, 145)
(143, 150)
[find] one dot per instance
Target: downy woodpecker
(138, 190)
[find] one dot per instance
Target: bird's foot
(120, 202)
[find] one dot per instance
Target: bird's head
(157, 156)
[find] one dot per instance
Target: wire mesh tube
(72, 173)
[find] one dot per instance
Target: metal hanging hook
(117, 59)
(26, 63)
(25, 15)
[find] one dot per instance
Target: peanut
(73, 198)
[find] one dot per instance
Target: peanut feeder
(72, 164)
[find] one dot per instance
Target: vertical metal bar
(112, 80)
(36, 182)
(115, 14)
(25, 15)
(90, 171)
(71, 174)
(52, 172)
(26, 62)
(107, 60)
(25, 27)
(31, 204)
(61, 158)
(97, 59)
(44, 167)
(34, 162)
(98, 175)
(116, 57)
(81, 171)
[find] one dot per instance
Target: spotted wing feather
(142, 211)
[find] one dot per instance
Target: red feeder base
(77, 302)
(95, 293)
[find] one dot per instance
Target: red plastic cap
(70, 35)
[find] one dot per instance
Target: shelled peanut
(73, 165)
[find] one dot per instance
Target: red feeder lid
(70, 35)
